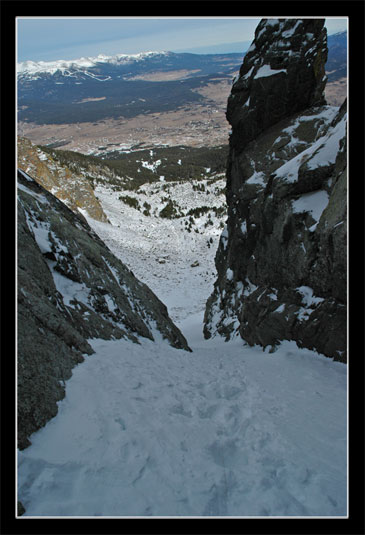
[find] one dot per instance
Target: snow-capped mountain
(91, 89)
(337, 48)
(32, 70)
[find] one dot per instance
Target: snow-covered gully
(227, 430)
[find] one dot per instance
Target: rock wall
(71, 288)
(282, 258)
(283, 72)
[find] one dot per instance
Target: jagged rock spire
(282, 73)
(281, 264)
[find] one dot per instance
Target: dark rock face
(281, 261)
(20, 508)
(283, 72)
(70, 288)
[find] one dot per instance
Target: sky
(49, 39)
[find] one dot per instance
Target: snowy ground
(227, 430)
(160, 251)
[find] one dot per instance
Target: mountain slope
(168, 234)
(71, 288)
(71, 187)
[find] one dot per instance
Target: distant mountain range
(96, 88)
(91, 89)
(74, 68)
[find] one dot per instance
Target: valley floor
(194, 126)
(227, 430)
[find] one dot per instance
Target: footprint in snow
(208, 412)
(179, 409)
(121, 423)
(227, 454)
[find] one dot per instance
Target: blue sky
(49, 39)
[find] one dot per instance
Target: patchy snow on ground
(227, 430)
(161, 251)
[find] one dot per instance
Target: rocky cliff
(74, 189)
(71, 288)
(281, 261)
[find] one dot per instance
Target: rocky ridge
(74, 189)
(282, 258)
(71, 288)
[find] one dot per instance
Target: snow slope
(160, 251)
(227, 430)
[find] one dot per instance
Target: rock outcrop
(281, 261)
(283, 72)
(72, 188)
(71, 288)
